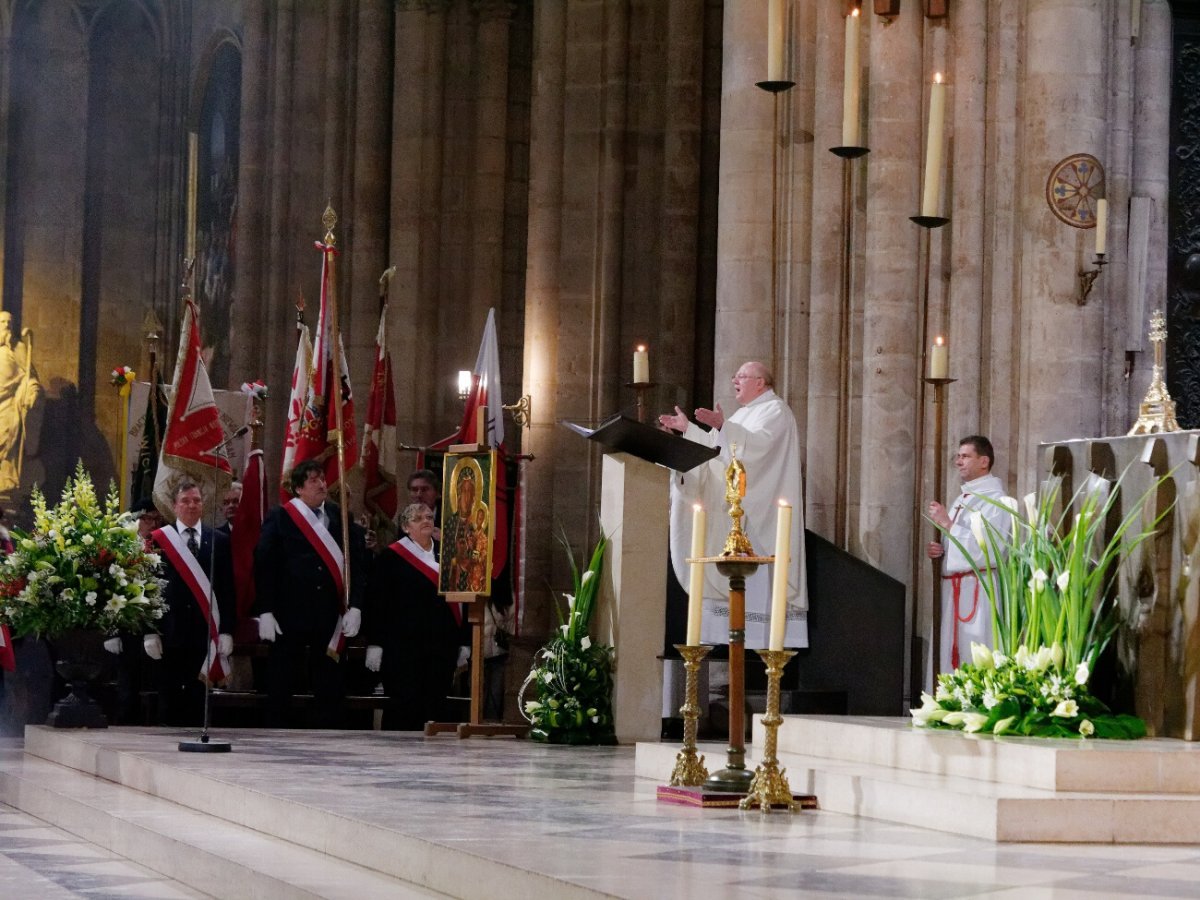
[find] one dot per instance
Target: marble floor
(580, 819)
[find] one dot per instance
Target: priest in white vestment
(966, 612)
(766, 441)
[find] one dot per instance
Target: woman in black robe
(413, 633)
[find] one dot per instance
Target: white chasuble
(768, 445)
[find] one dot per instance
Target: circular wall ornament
(1073, 188)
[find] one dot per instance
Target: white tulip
(1042, 659)
(1082, 673)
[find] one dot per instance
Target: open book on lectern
(626, 435)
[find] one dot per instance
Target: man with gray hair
(762, 434)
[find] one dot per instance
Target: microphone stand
(205, 744)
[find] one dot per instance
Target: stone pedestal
(633, 596)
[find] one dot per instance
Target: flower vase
(79, 658)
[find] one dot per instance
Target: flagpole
(329, 219)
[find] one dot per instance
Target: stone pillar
(415, 211)
(1063, 112)
(825, 271)
(366, 249)
(544, 439)
(632, 607)
(490, 158)
(745, 324)
(891, 335)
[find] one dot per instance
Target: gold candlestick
(689, 770)
(1156, 415)
(770, 785)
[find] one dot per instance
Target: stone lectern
(634, 513)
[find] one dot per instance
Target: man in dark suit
(191, 641)
(300, 571)
(229, 505)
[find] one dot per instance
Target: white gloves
(225, 644)
(374, 658)
(113, 645)
(351, 622)
(464, 657)
(268, 628)
(153, 645)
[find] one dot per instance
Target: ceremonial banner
(193, 444)
(246, 526)
(230, 404)
(295, 409)
(379, 433)
(318, 418)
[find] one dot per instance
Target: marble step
(287, 808)
(1150, 765)
(205, 853)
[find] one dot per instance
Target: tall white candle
(1101, 226)
(641, 365)
(939, 358)
(779, 592)
(775, 40)
(931, 198)
(696, 584)
(851, 84)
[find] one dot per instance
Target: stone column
(416, 169)
(825, 270)
(1063, 112)
(490, 95)
(745, 325)
(891, 288)
(544, 439)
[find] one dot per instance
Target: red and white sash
(406, 554)
(173, 546)
(331, 554)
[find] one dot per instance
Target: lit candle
(779, 594)
(696, 585)
(1101, 226)
(851, 87)
(641, 365)
(775, 40)
(939, 358)
(193, 176)
(931, 199)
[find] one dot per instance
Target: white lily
(1022, 657)
(1042, 659)
(1086, 728)
(977, 528)
(1063, 580)
(982, 656)
(954, 718)
(973, 721)
(1067, 709)
(1003, 725)
(585, 642)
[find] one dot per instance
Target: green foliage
(82, 566)
(571, 675)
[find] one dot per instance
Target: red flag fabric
(245, 528)
(193, 444)
(295, 410)
(379, 432)
(485, 393)
(8, 658)
(319, 418)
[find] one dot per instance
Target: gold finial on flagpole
(329, 219)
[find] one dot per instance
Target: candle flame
(937, 78)
(939, 340)
(697, 507)
(854, 14)
(783, 502)
(641, 348)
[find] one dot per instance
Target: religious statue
(20, 392)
